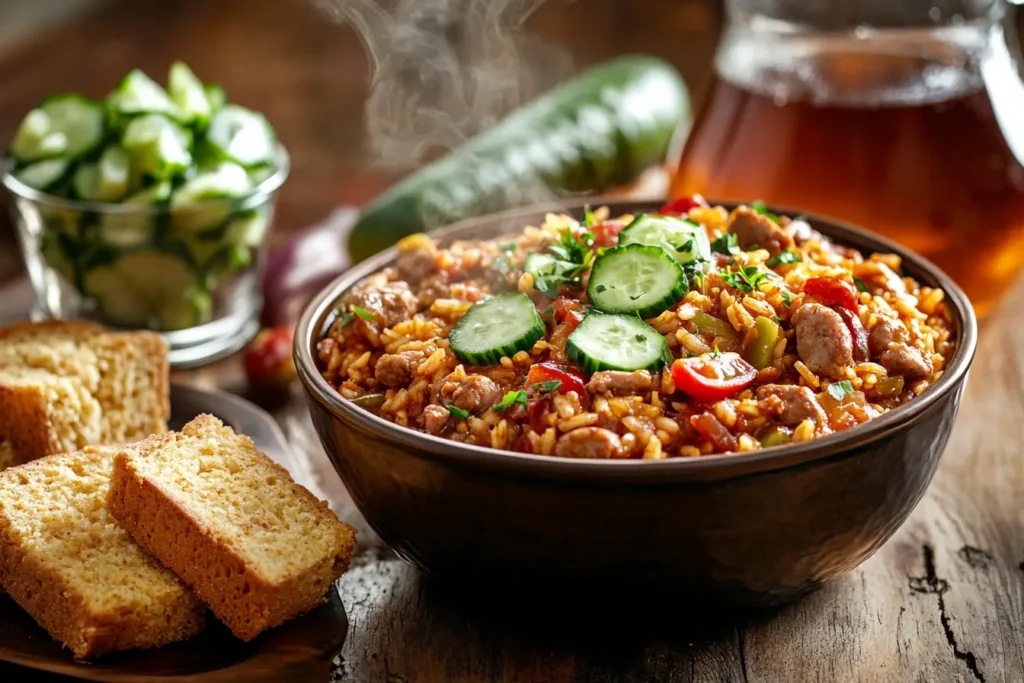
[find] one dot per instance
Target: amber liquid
(936, 176)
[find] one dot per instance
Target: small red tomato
(570, 310)
(682, 205)
(268, 359)
(569, 377)
(606, 233)
(832, 292)
(857, 333)
(712, 377)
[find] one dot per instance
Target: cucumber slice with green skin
(193, 205)
(188, 95)
(241, 135)
(82, 121)
(500, 325)
(36, 139)
(133, 228)
(157, 146)
(598, 131)
(44, 175)
(688, 244)
(637, 279)
(139, 94)
(606, 341)
(541, 266)
(85, 181)
(114, 172)
(249, 229)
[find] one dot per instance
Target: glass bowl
(191, 273)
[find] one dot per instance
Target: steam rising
(445, 69)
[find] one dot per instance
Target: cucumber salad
(648, 272)
(156, 197)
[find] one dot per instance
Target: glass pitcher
(903, 116)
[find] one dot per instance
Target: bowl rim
(256, 196)
(311, 326)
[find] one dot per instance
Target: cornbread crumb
(42, 414)
(64, 559)
(255, 546)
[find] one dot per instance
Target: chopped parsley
(753, 247)
(600, 288)
(787, 299)
(458, 412)
(761, 208)
(714, 353)
(362, 313)
(548, 386)
(861, 286)
(574, 256)
(726, 244)
(686, 247)
(747, 279)
(784, 258)
(508, 247)
(588, 217)
(511, 398)
(346, 319)
(501, 265)
(838, 390)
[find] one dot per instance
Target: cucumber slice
(158, 147)
(188, 310)
(500, 325)
(216, 96)
(545, 267)
(44, 175)
(188, 95)
(242, 135)
(192, 205)
(59, 253)
(687, 243)
(139, 94)
(85, 181)
(36, 139)
(249, 229)
(82, 121)
(637, 279)
(146, 288)
(605, 341)
(134, 228)
(113, 173)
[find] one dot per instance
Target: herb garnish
(787, 299)
(458, 412)
(785, 257)
(501, 265)
(861, 286)
(746, 279)
(362, 313)
(346, 319)
(510, 399)
(508, 247)
(548, 386)
(838, 390)
(573, 256)
(761, 208)
(588, 217)
(726, 244)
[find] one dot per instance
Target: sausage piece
(751, 228)
(472, 393)
(909, 361)
(619, 382)
(885, 332)
(390, 304)
(589, 442)
(416, 255)
(435, 418)
(396, 370)
(793, 404)
(823, 341)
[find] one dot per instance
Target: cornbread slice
(125, 372)
(41, 413)
(65, 560)
(255, 546)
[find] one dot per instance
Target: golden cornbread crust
(255, 546)
(66, 562)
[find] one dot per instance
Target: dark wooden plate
(300, 650)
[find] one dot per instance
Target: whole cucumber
(597, 131)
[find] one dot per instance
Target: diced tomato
(606, 233)
(536, 408)
(682, 205)
(711, 378)
(568, 309)
(832, 292)
(571, 379)
(857, 333)
(714, 431)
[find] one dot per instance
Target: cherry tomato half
(711, 378)
(682, 205)
(570, 310)
(832, 292)
(857, 333)
(571, 379)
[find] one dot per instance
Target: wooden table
(942, 601)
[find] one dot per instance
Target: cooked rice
(659, 422)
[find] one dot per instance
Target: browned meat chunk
(885, 332)
(416, 258)
(880, 278)
(435, 418)
(396, 370)
(390, 304)
(433, 288)
(619, 382)
(472, 393)
(823, 341)
(909, 361)
(793, 404)
(752, 228)
(589, 442)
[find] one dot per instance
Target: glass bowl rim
(261, 193)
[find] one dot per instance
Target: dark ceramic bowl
(754, 528)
